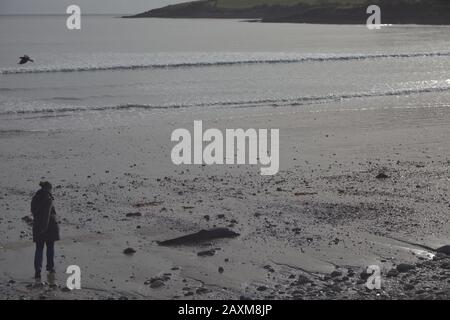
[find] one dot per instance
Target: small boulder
(261, 288)
(269, 268)
(392, 273)
(336, 274)
(382, 175)
(404, 267)
(133, 214)
(302, 280)
(365, 275)
(129, 251)
(156, 284)
(207, 253)
(201, 291)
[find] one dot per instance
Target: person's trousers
(38, 255)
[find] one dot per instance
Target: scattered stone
(304, 193)
(336, 274)
(408, 287)
(365, 275)
(269, 268)
(221, 270)
(261, 288)
(207, 253)
(382, 175)
(157, 283)
(148, 204)
(134, 214)
(335, 241)
(404, 267)
(201, 291)
(392, 273)
(129, 251)
(302, 280)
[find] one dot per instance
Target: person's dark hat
(45, 185)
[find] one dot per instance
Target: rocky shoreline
(425, 276)
(424, 14)
(424, 280)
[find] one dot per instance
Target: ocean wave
(159, 61)
(33, 107)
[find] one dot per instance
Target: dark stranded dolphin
(25, 59)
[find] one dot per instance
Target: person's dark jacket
(45, 226)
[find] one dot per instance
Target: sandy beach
(308, 232)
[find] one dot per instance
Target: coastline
(396, 14)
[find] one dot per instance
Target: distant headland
(431, 12)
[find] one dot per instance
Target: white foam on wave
(16, 105)
(114, 62)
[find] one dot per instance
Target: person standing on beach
(45, 227)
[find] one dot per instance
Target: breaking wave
(159, 60)
(33, 107)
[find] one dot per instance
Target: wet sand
(306, 233)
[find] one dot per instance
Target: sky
(87, 6)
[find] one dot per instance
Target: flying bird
(25, 59)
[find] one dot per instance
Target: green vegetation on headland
(436, 12)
